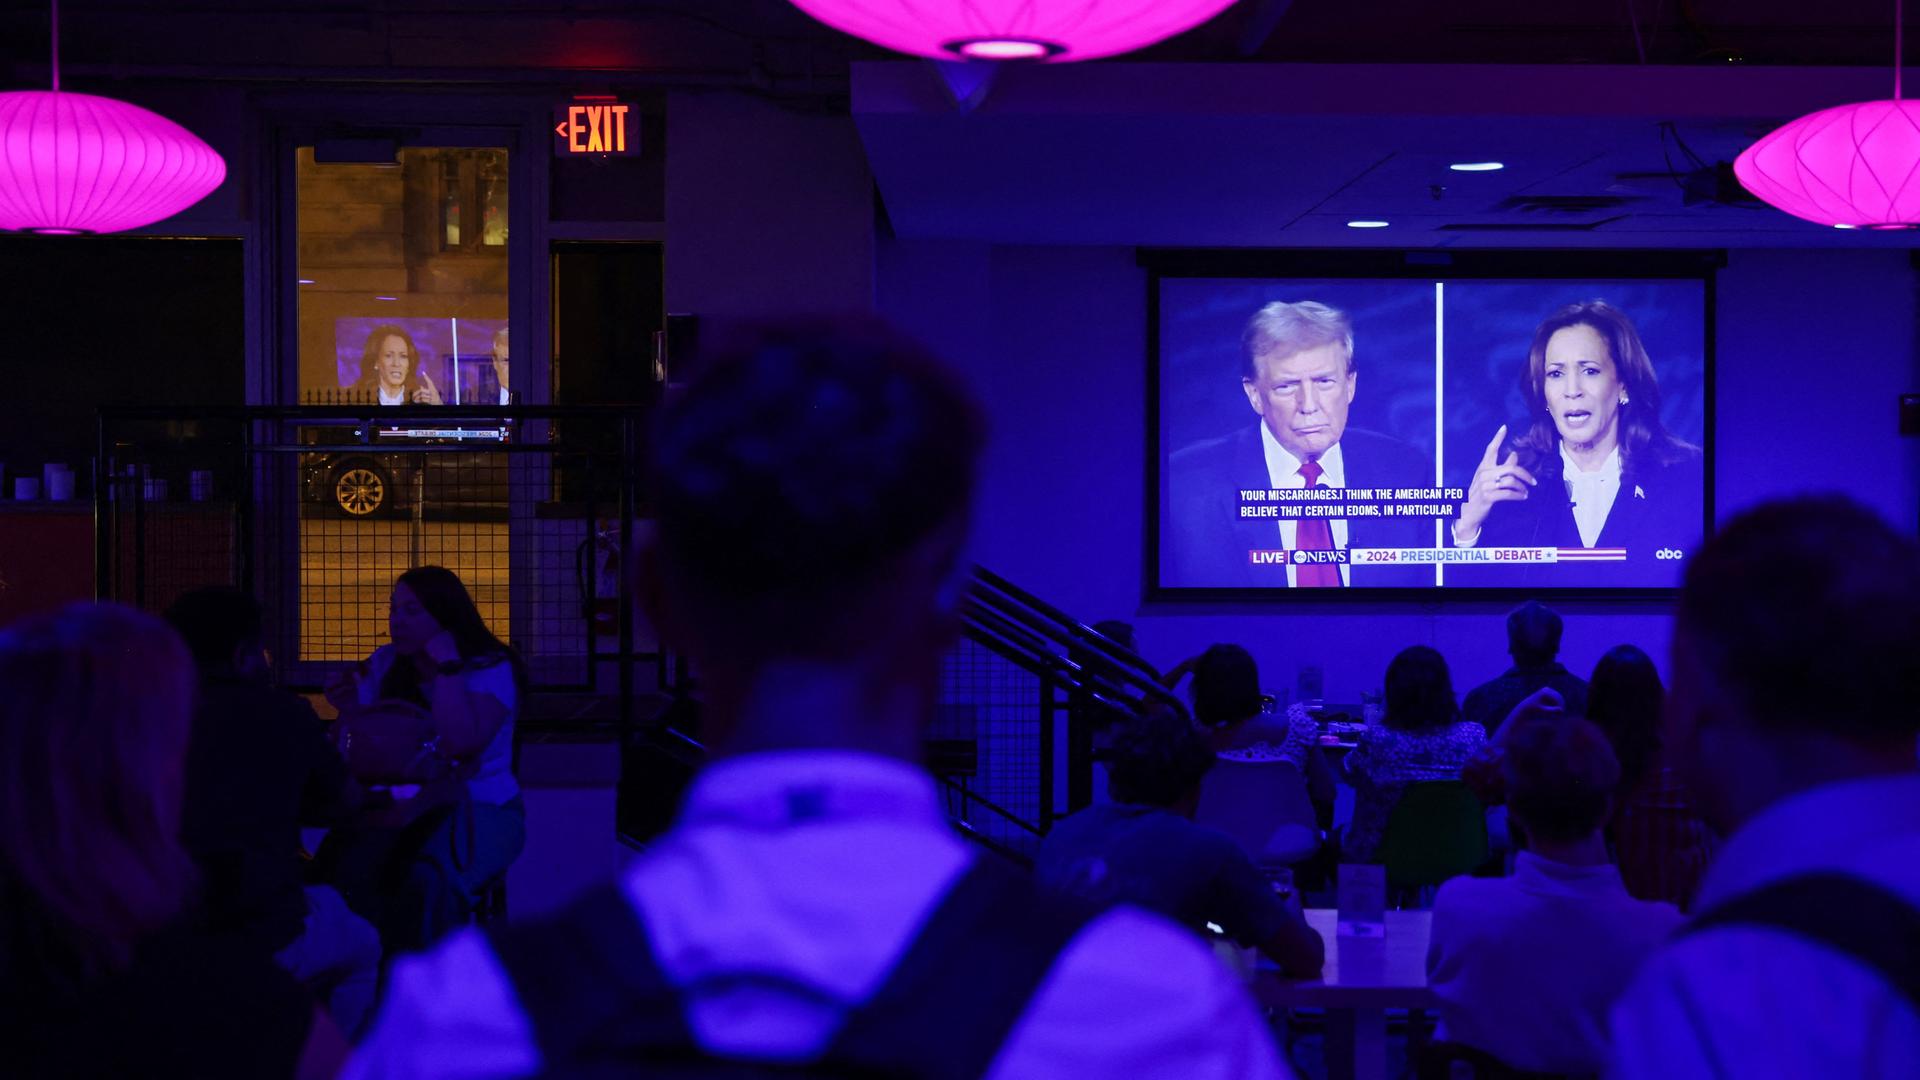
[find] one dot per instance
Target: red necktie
(1314, 534)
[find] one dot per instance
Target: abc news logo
(1670, 554)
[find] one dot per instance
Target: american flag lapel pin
(1639, 492)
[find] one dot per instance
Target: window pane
(403, 277)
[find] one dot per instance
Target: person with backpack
(811, 912)
(1792, 719)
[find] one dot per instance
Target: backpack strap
(954, 997)
(588, 978)
(594, 994)
(1866, 922)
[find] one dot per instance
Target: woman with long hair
(1421, 737)
(1228, 705)
(102, 969)
(417, 881)
(1661, 844)
(390, 370)
(1596, 466)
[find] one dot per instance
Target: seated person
(1121, 634)
(1791, 719)
(103, 971)
(812, 911)
(415, 882)
(1421, 737)
(259, 767)
(1527, 967)
(1144, 849)
(1662, 845)
(1227, 704)
(1533, 640)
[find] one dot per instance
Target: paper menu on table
(1362, 900)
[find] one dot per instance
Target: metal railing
(1021, 701)
(317, 509)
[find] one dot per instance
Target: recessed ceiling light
(306, 281)
(386, 298)
(1364, 223)
(1843, 225)
(1477, 166)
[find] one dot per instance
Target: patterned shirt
(1268, 738)
(1386, 761)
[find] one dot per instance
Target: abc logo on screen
(1670, 554)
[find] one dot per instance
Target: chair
(1263, 806)
(1437, 831)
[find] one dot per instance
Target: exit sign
(595, 126)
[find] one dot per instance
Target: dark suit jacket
(1659, 507)
(484, 389)
(1204, 543)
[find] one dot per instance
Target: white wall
(1813, 349)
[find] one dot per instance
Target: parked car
(363, 482)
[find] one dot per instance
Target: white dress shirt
(1746, 1001)
(1283, 471)
(399, 398)
(1591, 493)
(1526, 967)
(812, 870)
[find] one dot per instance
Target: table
(1362, 979)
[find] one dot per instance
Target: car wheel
(360, 491)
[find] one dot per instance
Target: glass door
(401, 257)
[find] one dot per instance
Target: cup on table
(58, 481)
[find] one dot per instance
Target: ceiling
(770, 43)
(1275, 123)
(1288, 155)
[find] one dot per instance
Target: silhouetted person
(1122, 635)
(259, 767)
(1421, 737)
(1533, 640)
(811, 905)
(1659, 840)
(104, 971)
(415, 881)
(1228, 705)
(1527, 966)
(1792, 719)
(1143, 848)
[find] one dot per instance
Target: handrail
(970, 796)
(974, 835)
(1074, 631)
(1079, 657)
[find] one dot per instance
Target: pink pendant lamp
(75, 163)
(1852, 166)
(1047, 30)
